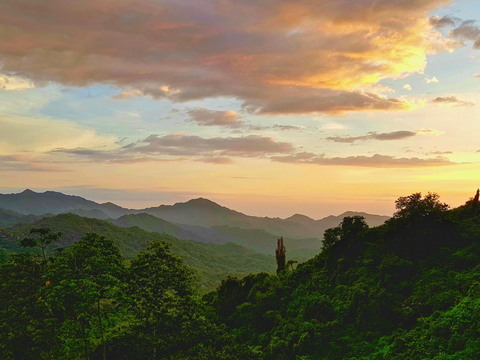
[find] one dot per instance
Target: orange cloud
(277, 56)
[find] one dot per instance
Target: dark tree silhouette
(46, 237)
(280, 252)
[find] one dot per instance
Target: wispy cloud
(439, 153)
(452, 101)
(377, 161)
(174, 147)
(441, 22)
(192, 145)
(431, 80)
(394, 135)
(9, 82)
(205, 117)
(22, 163)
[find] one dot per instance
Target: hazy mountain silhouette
(9, 218)
(199, 212)
(92, 214)
(257, 240)
(52, 202)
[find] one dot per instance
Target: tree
(82, 276)
(280, 252)
(350, 227)
(161, 297)
(416, 206)
(27, 331)
(45, 238)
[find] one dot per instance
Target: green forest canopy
(409, 289)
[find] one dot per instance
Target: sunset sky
(269, 107)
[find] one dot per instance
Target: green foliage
(408, 289)
(86, 303)
(44, 238)
(414, 206)
(210, 262)
(4, 257)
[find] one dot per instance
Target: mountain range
(212, 239)
(194, 216)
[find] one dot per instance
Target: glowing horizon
(270, 108)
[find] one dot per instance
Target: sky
(268, 107)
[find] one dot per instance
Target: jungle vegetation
(408, 289)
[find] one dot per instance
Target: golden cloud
(277, 56)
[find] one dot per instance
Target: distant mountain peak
(202, 201)
(299, 216)
(28, 191)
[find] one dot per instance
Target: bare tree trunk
(101, 330)
(84, 338)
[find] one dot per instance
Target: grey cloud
(96, 155)
(209, 150)
(376, 161)
(206, 117)
(14, 163)
(188, 145)
(252, 127)
(288, 100)
(287, 127)
(466, 31)
(439, 153)
(119, 156)
(476, 44)
(395, 135)
(452, 100)
(217, 160)
(440, 22)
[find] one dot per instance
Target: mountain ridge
(195, 212)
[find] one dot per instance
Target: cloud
(395, 135)
(205, 117)
(429, 132)
(440, 22)
(287, 127)
(19, 133)
(432, 80)
(192, 145)
(476, 75)
(407, 87)
(439, 153)
(376, 161)
(218, 160)
(466, 31)
(24, 163)
(451, 100)
(476, 44)
(8, 82)
(178, 146)
(126, 95)
(333, 126)
(276, 56)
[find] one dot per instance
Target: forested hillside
(211, 262)
(408, 289)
